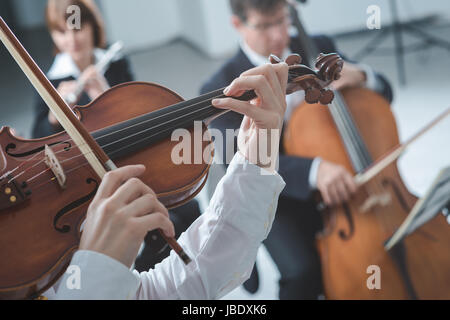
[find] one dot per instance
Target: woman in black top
(78, 49)
(77, 52)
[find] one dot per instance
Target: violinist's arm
(223, 242)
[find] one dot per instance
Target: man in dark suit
(264, 29)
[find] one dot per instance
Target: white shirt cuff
(90, 275)
(313, 171)
(372, 82)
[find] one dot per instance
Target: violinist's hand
(351, 77)
(263, 116)
(95, 83)
(64, 89)
(335, 183)
(123, 211)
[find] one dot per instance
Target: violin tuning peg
(293, 59)
(274, 59)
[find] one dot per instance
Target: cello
(356, 129)
(46, 185)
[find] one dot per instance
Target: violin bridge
(53, 163)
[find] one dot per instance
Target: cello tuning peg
(327, 97)
(312, 95)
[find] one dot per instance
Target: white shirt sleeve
(222, 243)
(313, 172)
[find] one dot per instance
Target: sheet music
(437, 197)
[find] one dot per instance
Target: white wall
(206, 23)
(147, 23)
(218, 37)
(327, 16)
(29, 13)
(141, 23)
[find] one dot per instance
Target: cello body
(355, 264)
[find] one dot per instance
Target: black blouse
(117, 73)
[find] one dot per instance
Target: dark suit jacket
(294, 170)
(117, 73)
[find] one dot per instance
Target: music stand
(435, 200)
(397, 29)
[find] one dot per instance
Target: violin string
(81, 154)
(54, 178)
(86, 163)
(18, 167)
(165, 114)
(116, 131)
(138, 133)
(291, 74)
(40, 160)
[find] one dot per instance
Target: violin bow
(394, 154)
(93, 153)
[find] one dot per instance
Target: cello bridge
(374, 200)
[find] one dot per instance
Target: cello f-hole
(351, 226)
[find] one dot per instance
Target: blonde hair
(57, 16)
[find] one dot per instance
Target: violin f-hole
(77, 203)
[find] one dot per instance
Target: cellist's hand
(260, 131)
(123, 211)
(335, 183)
(352, 76)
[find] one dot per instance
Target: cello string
(374, 187)
(354, 141)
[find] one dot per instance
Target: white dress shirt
(222, 243)
(63, 66)
(295, 99)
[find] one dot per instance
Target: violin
(358, 131)
(46, 185)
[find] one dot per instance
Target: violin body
(54, 230)
(354, 234)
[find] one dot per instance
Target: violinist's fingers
(241, 107)
(273, 74)
(155, 221)
(144, 205)
(131, 190)
(114, 179)
(258, 83)
(282, 72)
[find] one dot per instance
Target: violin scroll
(314, 82)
